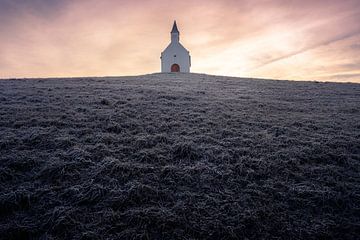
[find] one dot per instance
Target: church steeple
(175, 29)
(175, 33)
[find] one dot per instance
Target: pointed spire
(175, 29)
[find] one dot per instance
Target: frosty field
(179, 156)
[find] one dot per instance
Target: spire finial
(175, 29)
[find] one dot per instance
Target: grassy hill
(179, 156)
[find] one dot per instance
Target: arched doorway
(175, 68)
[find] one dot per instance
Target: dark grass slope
(179, 156)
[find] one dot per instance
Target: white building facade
(175, 58)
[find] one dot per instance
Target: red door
(175, 68)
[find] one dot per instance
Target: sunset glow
(299, 40)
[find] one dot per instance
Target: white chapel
(175, 58)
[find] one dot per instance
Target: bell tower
(175, 35)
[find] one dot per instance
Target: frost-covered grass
(179, 156)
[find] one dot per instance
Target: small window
(175, 55)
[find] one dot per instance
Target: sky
(278, 39)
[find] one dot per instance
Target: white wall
(168, 57)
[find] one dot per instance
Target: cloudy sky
(282, 39)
